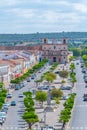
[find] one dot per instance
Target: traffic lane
(79, 118)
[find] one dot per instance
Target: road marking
(77, 128)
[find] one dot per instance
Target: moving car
(13, 103)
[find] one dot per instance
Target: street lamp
(44, 117)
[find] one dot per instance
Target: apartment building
(5, 74)
(54, 50)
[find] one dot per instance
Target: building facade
(5, 74)
(55, 51)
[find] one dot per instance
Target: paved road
(14, 119)
(79, 119)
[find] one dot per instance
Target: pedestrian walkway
(50, 118)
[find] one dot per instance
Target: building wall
(55, 52)
(5, 75)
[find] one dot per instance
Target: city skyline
(42, 16)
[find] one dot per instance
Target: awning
(17, 75)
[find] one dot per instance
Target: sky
(31, 16)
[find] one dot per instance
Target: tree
(84, 57)
(73, 81)
(30, 118)
(72, 67)
(71, 58)
(29, 115)
(41, 96)
(63, 74)
(56, 93)
(50, 77)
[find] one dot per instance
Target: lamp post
(44, 117)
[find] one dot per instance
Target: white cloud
(24, 13)
(81, 7)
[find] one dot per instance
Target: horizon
(42, 33)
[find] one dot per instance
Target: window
(54, 47)
(45, 41)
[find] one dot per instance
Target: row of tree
(72, 73)
(2, 94)
(65, 114)
(30, 71)
(84, 57)
(29, 115)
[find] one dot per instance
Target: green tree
(30, 118)
(56, 93)
(71, 58)
(63, 74)
(50, 77)
(84, 57)
(41, 96)
(72, 67)
(73, 80)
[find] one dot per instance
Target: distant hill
(13, 39)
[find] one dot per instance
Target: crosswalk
(77, 128)
(11, 128)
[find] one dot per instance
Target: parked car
(43, 87)
(20, 95)
(3, 115)
(85, 97)
(1, 121)
(32, 77)
(85, 79)
(57, 72)
(17, 87)
(85, 75)
(22, 85)
(28, 79)
(86, 85)
(13, 103)
(9, 95)
(66, 87)
(4, 110)
(77, 63)
(64, 97)
(82, 65)
(83, 70)
(5, 106)
(47, 128)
